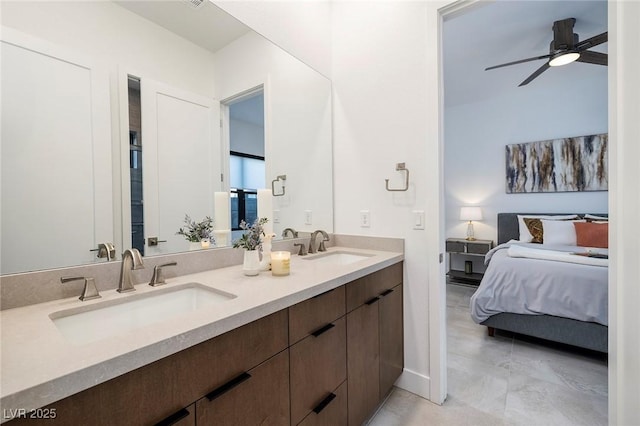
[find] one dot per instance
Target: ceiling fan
(564, 49)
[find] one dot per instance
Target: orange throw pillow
(592, 234)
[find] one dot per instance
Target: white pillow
(559, 232)
(525, 235)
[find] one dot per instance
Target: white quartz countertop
(40, 366)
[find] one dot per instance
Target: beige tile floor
(505, 380)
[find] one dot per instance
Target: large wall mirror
(120, 118)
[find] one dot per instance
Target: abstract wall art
(559, 165)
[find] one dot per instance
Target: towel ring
(283, 178)
(401, 168)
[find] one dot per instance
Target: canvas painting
(559, 165)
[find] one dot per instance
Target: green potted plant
(251, 242)
(197, 233)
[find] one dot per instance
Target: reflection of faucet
(131, 259)
(293, 232)
(107, 250)
(312, 243)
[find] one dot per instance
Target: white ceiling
(207, 25)
(506, 31)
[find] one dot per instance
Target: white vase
(251, 264)
(194, 246)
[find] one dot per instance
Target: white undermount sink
(337, 257)
(95, 322)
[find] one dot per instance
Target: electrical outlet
(418, 219)
(276, 216)
(308, 217)
(365, 219)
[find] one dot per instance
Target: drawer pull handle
(324, 403)
(228, 386)
(386, 292)
(322, 330)
(174, 418)
(372, 300)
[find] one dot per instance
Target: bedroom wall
(475, 139)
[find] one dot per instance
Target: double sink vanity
(322, 345)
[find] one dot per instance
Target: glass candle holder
(280, 263)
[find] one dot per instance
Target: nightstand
(460, 247)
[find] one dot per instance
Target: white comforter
(535, 286)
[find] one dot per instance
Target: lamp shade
(470, 213)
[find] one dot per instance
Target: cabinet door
(391, 338)
(363, 369)
(257, 397)
(332, 410)
(318, 366)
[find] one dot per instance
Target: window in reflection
(135, 164)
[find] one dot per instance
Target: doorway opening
(243, 117)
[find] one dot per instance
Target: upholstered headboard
(508, 224)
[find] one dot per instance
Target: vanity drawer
(210, 364)
(370, 286)
(332, 410)
(318, 366)
(313, 314)
(259, 396)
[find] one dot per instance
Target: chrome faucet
(312, 243)
(158, 277)
(293, 232)
(90, 290)
(131, 259)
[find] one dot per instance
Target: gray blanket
(536, 287)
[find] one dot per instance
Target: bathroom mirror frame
(322, 220)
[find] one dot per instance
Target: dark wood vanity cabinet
(319, 358)
(375, 357)
(327, 361)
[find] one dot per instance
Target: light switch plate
(365, 219)
(276, 216)
(308, 219)
(418, 219)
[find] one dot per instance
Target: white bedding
(532, 286)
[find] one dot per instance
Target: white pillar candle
(265, 208)
(222, 211)
(280, 263)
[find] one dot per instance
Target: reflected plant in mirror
(196, 232)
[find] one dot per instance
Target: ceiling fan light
(564, 59)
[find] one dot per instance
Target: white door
(181, 162)
(56, 156)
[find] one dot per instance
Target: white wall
(624, 199)
(474, 150)
(109, 32)
(382, 117)
(246, 137)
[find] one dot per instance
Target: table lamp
(470, 214)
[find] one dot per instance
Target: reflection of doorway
(246, 148)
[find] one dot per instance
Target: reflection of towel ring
(401, 168)
(283, 178)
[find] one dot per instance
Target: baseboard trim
(416, 383)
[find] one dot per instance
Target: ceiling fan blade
(535, 74)
(593, 41)
(590, 57)
(518, 62)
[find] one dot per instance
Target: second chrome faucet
(131, 259)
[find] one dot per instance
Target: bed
(583, 290)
